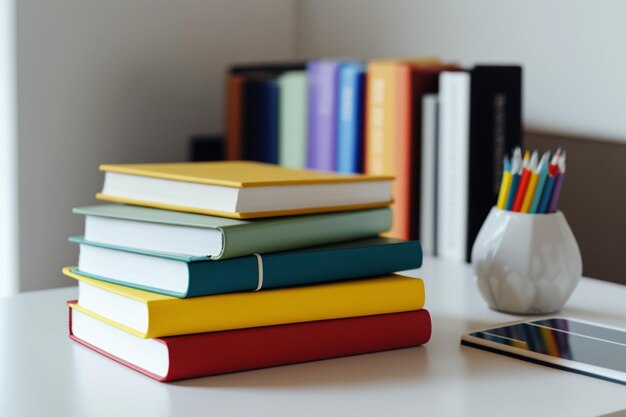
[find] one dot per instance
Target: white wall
(119, 81)
(8, 139)
(127, 81)
(573, 51)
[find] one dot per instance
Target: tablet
(579, 346)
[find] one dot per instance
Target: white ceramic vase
(526, 263)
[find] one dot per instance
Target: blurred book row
(440, 129)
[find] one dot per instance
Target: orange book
(403, 153)
(389, 138)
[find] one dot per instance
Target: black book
(267, 67)
(206, 147)
(260, 119)
(495, 129)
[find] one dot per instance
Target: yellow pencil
(505, 185)
(532, 185)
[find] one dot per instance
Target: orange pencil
(532, 184)
(529, 166)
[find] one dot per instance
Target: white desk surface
(43, 373)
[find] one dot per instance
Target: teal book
(183, 277)
(292, 119)
(197, 235)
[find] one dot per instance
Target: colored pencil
(529, 167)
(553, 171)
(505, 185)
(554, 199)
(543, 175)
(516, 170)
(532, 184)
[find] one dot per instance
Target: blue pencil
(543, 175)
(546, 194)
(516, 172)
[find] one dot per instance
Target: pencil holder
(526, 263)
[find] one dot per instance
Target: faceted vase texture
(526, 263)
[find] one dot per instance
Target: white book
(241, 189)
(453, 179)
(428, 177)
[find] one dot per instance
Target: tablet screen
(573, 342)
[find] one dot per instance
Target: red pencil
(529, 167)
(553, 168)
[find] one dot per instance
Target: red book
(204, 354)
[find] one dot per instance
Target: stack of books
(216, 267)
(440, 130)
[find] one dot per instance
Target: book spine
(403, 153)
(429, 174)
(291, 268)
(234, 117)
(350, 123)
(300, 268)
(380, 107)
(454, 96)
(298, 343)
(388, 294)
(495, 130)
(222, 277)
(305, 231)
(293, 119)
(261, 121)
(322, 136)
(272, 102)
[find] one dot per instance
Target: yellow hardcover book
(240, 189)
(147, 315)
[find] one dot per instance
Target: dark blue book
(277, 67)
(260, 115)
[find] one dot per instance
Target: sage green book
(292, 119)
(197, 235)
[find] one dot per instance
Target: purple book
(322, 124)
